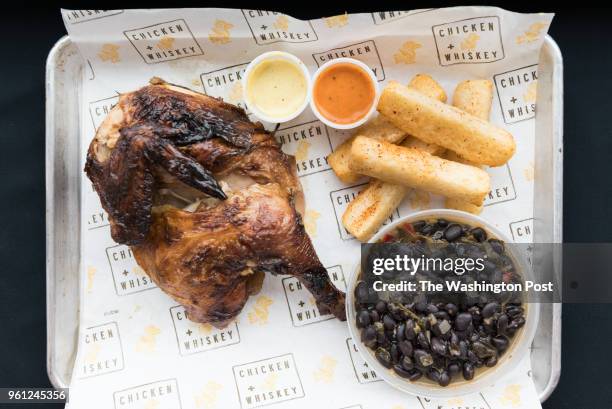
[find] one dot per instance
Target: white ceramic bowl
(485, 377)
(275, 55)
(367, 116)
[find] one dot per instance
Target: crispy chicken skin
(205, 198)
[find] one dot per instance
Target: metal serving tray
(63, 82)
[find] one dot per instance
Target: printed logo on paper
(383, 17)
(363, 372)
(302, 306)
(98, 110)
(365, 52)
(97, 219)
(101, 351)
(471, 41)
(340, 201)
(268, 381)
(522, 231)
(270, 27)
(193, 337)
(226, 83)
(502, 186)
(161, 394)
(128, 276)
(81, 16)
(309, 143)
(517, 92)
(166, 41)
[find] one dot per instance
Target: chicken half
(206, 199)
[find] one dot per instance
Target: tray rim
(65, 41)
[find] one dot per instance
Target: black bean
(422, 358)
(415, 375)
(405, 347)
(433, 374)
(368, 334)
(453, 232)
(427, 229)
(444, 379)
(401, 371)
(361, 292)
(490, 309)
(395, 353)
(431, 309)
(468, 371)
(389, 322)
(451, 309)
(454, 369)
(422, 340)
(442, 222)
(500, 342)
(517, 322)
(438, 346)
(442, 315)
(363, 319)
(421, 306)
(471, 356)
(463, 321)
(407, 363)
(410, 333)
(491, 362)
(381, 307)
(384, 357)
(400, 332)
(479, 234)
(374, 316)
(497, 246)
(502, 324)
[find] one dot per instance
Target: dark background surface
(583, 36)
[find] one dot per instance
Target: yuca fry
(475, 98)
(369, 210)
(414, 168)
(428, 86)
(435, 122)
(380, 128)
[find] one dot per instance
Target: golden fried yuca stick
(369, 210)
(414, 168)
(428, 86)
(435, 122)
(475, 98)
(380, 128)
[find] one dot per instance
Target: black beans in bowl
(447, 337)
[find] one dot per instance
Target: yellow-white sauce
(277, 87)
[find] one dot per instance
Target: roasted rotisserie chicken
(206, 199)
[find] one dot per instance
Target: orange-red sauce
(343, 93)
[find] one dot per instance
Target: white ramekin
(374, 83)
(275, 55)
(509, 360)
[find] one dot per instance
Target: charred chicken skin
(205, 198)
